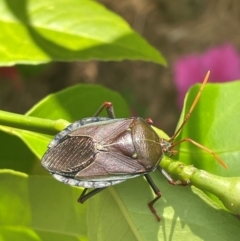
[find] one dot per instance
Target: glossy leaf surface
(37, 31)
(215, 124)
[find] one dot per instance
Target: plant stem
(227, 189)
(35, 124)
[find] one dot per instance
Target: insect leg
(169, 178)
(157, 192)
(84, 197)
(109, 108)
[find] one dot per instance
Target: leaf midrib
(125, 214)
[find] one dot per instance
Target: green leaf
(39, 208)
(37, 31)
(215, 124)
(121, 213)
(15, 155)
(77, 102)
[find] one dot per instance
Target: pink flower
(223, 62)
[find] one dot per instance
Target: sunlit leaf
(215, 124)
(38, 31)
(40, 208)
(184, 215)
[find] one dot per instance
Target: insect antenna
(191, 109)
(185, 121)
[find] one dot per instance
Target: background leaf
(121, 213)
(77, 102)
(67, 30)
(39, 208)
(15, 154)
(214, 123)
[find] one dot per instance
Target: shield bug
(98, 152)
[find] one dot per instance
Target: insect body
(98, 152)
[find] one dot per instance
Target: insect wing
(111, 166)
(70, 156)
